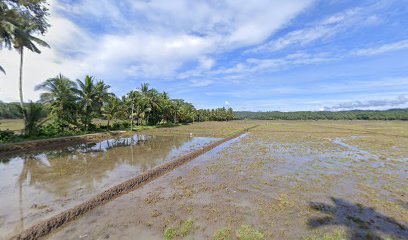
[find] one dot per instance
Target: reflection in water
(35, 186)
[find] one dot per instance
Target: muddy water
(38, 185)
(285, 181)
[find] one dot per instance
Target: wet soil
(283, 180)
(40, 184)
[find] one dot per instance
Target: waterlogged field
(282, 180)
(38, 185)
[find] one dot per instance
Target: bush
(7, 136)
(49, 130)
(120, 126)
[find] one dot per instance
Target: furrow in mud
(45, 227)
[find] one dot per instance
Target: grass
(337, 235)
(223, 234)
(15, 125)
(247, 232)
(182, 230)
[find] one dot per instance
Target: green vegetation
(223, 234)
(247, 232)
(393, 114)
(69, 108)
(337, 235)
(10, 111)
(21, 22)
(181, 231)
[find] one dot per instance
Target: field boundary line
(45, 227)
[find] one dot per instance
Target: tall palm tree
(19, 20)
(88, 96)
(60, 99)
(165, 105)
(112, 109)
(24, 39)
(102, 95)
(150, 99)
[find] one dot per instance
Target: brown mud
(45, 227)
(284, 180)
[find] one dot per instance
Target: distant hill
(392, 114)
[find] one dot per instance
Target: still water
(38, 185)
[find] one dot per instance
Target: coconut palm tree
(102, 95)
(149, 99)
(60, 99)
(24, 39)
(87, 96)
(19, 20)
(112, 109)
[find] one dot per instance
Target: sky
(260, 55)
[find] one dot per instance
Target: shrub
(7, 136)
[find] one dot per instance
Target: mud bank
(44, 144)
(45, 227)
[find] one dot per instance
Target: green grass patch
(338, 235)
(247, 232)
(182, 230)
(223, 234)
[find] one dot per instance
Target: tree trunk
(21, 86)
(131, 121)
(107, 126)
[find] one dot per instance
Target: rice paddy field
(281, 180)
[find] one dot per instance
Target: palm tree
(112, 109)
(60, 99)
(88, 96)
(165, 103)
(150, 99)
(102, 95)
(24, 39)
(19, 20)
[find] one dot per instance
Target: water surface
(38, 185)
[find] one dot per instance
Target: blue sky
(251, 55)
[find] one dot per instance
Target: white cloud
(371, 104)
(144, 39)
(253, 65)
(227, 103)
(201, 83)
(389, 47)
(322, 30)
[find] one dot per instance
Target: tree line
(392, 114)
(70, 106)
(67, 107)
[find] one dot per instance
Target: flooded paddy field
(282, 180)
(37, 185)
